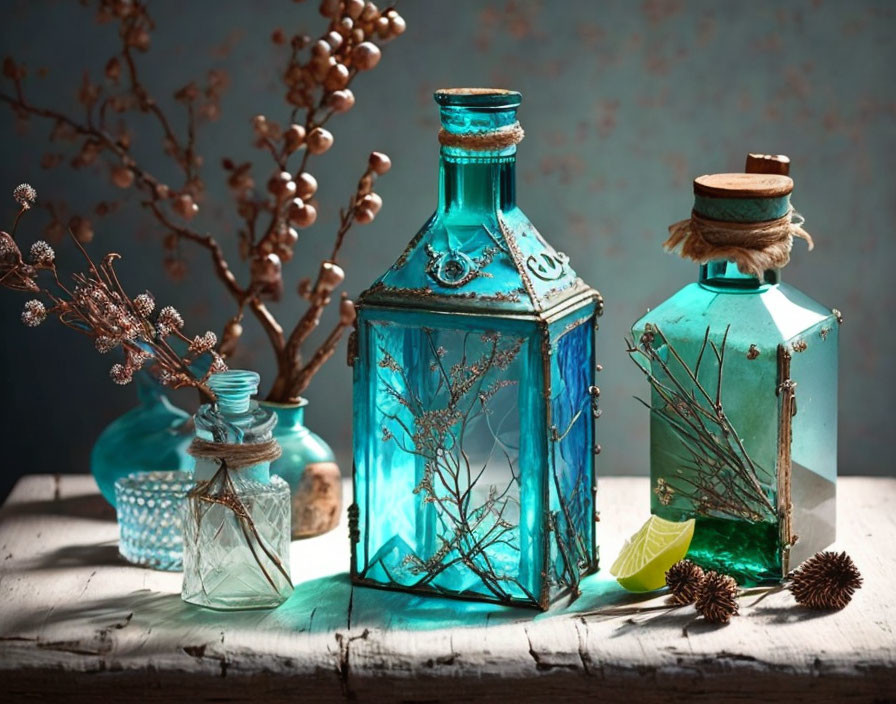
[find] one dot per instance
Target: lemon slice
(645, 557)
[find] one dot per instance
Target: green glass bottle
(728, 358)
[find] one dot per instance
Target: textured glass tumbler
(149, 518)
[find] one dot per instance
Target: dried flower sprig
(316, 82)
(96, 304)
(827, 580)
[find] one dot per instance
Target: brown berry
(397, 25)
(289, 237)
(306, 185)
(321, 49)
(260, 125)
(185, 206)
(301, 214)
(122, 177)
(366, 55)
(372, 202)
(330, 276)
(341, 100)
(364, 216)
(330, 8)
(319, 140)
(334, 39)
(379, 163)
(281, 185)
(370, 13)
(293, 138)
(354, 8)
(347, 312)
(337, 77)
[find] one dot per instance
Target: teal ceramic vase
(151, 437)
(309, 466)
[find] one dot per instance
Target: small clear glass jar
(236, 521)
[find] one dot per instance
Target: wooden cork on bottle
(767, 164)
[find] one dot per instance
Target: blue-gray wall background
(624, 103)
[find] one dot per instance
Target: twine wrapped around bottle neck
(492, 140)
(236, 455)
(753, 246)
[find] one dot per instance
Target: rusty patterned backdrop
(624, 102)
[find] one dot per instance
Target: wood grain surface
(78, 622)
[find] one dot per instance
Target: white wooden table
(76, 621)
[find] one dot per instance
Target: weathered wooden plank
(72, 609)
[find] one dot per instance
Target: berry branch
(316, 81)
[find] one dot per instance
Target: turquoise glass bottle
(236, 519)
(743, 377)
(474, 392)
(151, 437)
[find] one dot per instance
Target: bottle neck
(289, 416)
(723, 275)
(471, 184)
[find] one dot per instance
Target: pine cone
(684, 579)
(717, 597)
(827, 580)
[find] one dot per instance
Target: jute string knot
(236, 455)
(492, 140)
(753, 246)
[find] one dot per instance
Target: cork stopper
(750, 185)
(768, 164)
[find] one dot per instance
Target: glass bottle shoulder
(773, 314)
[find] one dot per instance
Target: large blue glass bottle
(236, 521)
(151, 437)
(743, 427)
(474, 392)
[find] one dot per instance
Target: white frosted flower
(144, 304)
(25, 195)
(34, 313)
(204, 343)
(120, 374)
(105, 344)
(170, 318)
(42, 253)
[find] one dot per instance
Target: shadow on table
(94, 555)
(91, 506)
(322, 607)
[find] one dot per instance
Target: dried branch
(97, 305)
(717, 476)
(316, 80)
